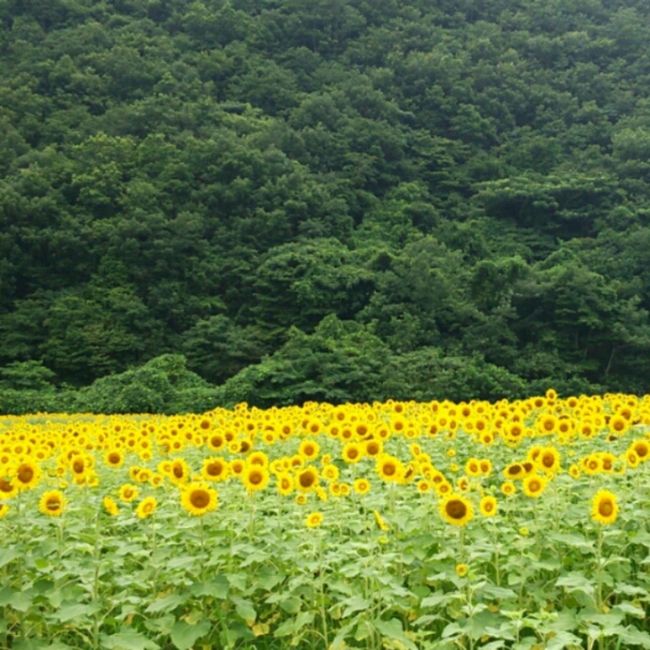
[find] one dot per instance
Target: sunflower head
(314, 520)
(488, 506)
(455, 509)
(198, 499)
(146, 507)
(604, 507)
(52, 503)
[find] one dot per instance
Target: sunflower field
(397, 525)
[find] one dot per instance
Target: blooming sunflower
(390, 468)
(534, 485)
(455, 509)
(604, 507)
(114, 458)
(361, 486)
(52, 503)
(307, 479)
(146, 507)
(128, 492)
(198, 499)
(488, 506)
(215, 469)
(462, 570)
(110, 506)
(255, 478)
(380, 521)
(8, 488)
(285, 484)
(4, 509)
(27, 475)
(314, 520)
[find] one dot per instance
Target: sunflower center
(200, 499)
(456, 509)
(53, 504)
(534, 486)
(214, 469)
(389, 469)
(255, 478)
(306, 480)
(605, 508)
(5, 486)
(25, 474)
(114, 459)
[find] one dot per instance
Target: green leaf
(291, 605)
(631, 609)
(184, 635)
(72, 611)
(128, 640)
(392, 629)
(165, 604)
(7, 555)
(576, 582)
(354, 604)
(245, 609)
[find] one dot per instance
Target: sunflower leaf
(184, 635)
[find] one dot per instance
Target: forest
(278, 201)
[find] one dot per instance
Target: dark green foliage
(332, 199)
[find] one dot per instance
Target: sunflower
(641, 449)
(548, 460)
(462, 570)
(455, 509)
(146, 507)
(488, 506)
(508, 488)
(534, 485)
(330, 472)
(114, 458)
(215, 469)
(180, 471)
(604, 507)
(307, 479)
(27, 475)
(128, 492)
(198, 499)
(309, 449)
(4, 509)
(8, 488)
(110, 506)
(285, 484)
(314, 520)
(255, 478)
(52, 503)
(352, 452)
(361, 486)
(390, 468)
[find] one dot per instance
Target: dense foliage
(323, 199)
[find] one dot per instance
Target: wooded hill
(321, 199)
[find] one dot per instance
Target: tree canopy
(333, 199)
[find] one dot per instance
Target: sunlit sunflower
(488, 506)
(255, 478)
(508, 488)
(128, 492)
(604, 507)
(352, 452)
(146, 507)
(534, 485)
(455, 509)
(27, 475)
(390, 468)
(309, 449)
(285, 484)
(8, 488)
(361, 486)
(462, 570)
(4, 509)
(314, 520)
(307, 479)
(215, 469)
(52, 503)
(198, 498)
(110, 506)
(114, 458)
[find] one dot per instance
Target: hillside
(323, 199)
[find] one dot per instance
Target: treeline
(323, 199)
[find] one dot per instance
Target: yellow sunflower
(110, 506)
(255, 478)
(534, 485)
(314, 520)
(198, 498)
(4, 509)
(488, 506)
(128, 492)
(146, 507)
(27, 475)
(604, 507)
(361, 486)
(307, 479)
(455, 509)
(52, 503)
